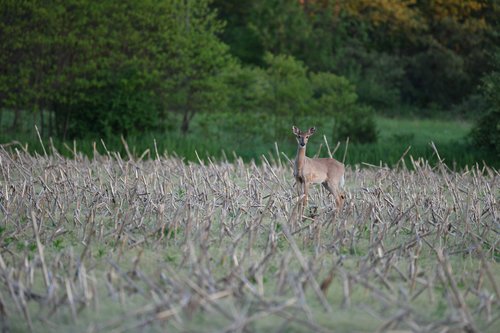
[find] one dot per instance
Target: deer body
(326, 171)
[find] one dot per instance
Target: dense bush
(436, 76)
(336, 97)
(356, 123)
(486, 133)
(332, 94)
(122, 104)
(378, 77)
(247, 87)
(288, 91)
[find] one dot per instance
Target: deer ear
(295, 130)
(312, 130)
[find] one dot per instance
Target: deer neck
(300, 161)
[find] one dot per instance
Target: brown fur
(326, 171)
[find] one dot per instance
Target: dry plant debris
(114, 244)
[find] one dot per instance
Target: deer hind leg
(336, 193)
(329, 187)
(339, 200)
(342, 195)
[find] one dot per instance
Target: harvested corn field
(155, 244)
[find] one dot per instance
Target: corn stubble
(154, 243)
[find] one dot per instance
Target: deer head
(303, 137)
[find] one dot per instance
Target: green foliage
(332, 94)
(290, 90)
(281, 26)
(81, 68)
(286, 89)
(247, 88)
(121, 104)
(378, 82)
(486, 133)
(213, 132)
(357, 124)
(392, 51)
(103, 67)
(244, 40)
(197, 61)
(471, 108)
(251, 134)
(377, 75)
(435, 62)
(58, 244)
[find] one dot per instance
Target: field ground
(113, 245)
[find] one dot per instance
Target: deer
(326, 171)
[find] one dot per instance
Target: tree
(336, 97)
(196, 62)
(247, 88)
(239, 33)
(281, 25)
(21, 66)
(391, 50)
(332, 94)
(290, 89)
(394, 17)
(110, 67)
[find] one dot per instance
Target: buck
(326, 171)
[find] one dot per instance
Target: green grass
(219, 135)
(422, 131)
(398, 135)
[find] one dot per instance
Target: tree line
(105, 67)
(87, 68)
(418, 52)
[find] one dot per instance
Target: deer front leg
(299, 188)
(301, 195)
(306, 192)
